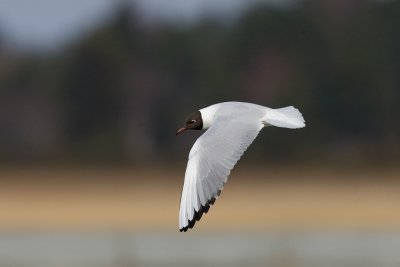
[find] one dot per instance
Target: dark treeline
(120, 92)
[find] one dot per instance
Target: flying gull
(231, 128)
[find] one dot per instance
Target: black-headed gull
(232, 127)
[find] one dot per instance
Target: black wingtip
(198, 214)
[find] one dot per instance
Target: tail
(288, 117)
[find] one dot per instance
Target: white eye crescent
(193, 121)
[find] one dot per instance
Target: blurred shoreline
(144, 199)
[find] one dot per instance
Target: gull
(230, 128)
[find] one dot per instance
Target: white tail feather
(288, 117)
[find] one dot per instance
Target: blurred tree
(120, 91)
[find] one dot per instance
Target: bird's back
(239, 111)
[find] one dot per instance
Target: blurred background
(92, 93)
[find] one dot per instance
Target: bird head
(193, 122)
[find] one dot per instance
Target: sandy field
(145, 199)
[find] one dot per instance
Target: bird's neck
(208, 115)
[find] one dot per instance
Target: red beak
(181, 130)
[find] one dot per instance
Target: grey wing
(211, 159)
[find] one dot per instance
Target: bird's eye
(192, 121)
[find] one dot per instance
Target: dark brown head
(193, 122)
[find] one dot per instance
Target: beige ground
(114, 199)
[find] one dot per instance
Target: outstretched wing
(211, 159)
